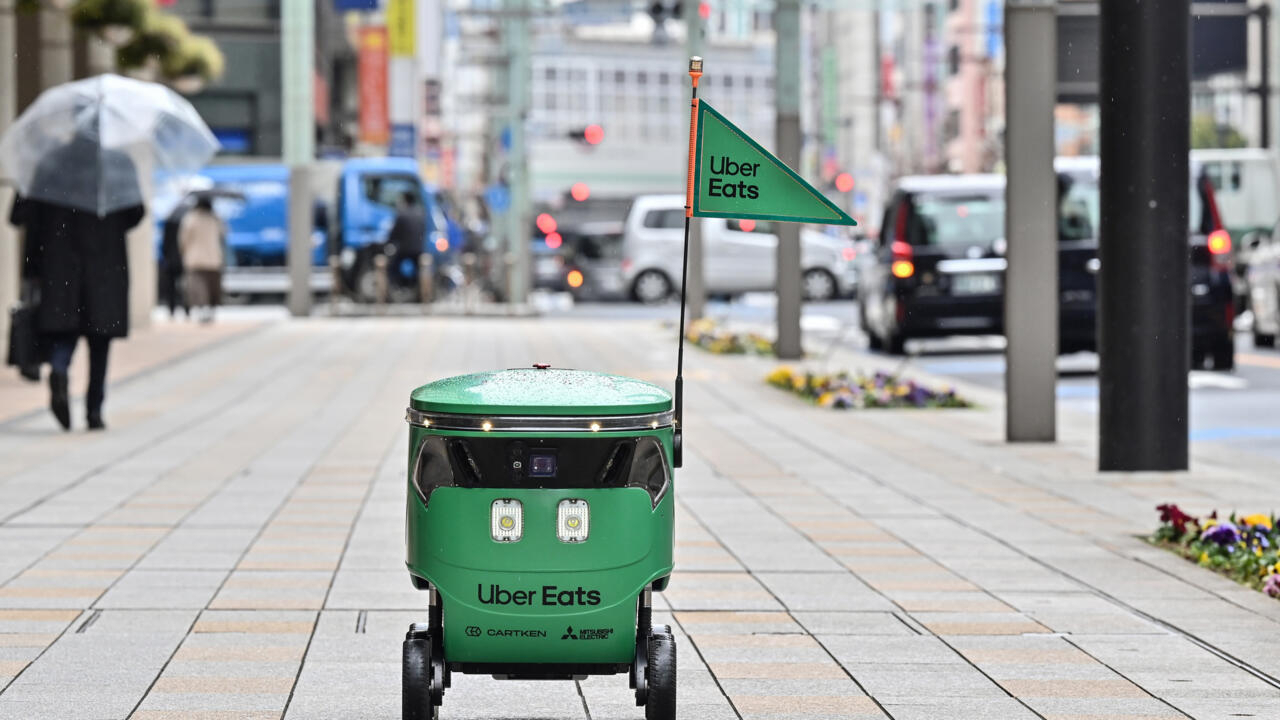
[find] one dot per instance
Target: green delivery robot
(539, 519)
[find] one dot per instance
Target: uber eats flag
(736, 178)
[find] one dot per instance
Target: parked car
(1263, 273)
(1246, 186)
(939, 266)
(739, 255)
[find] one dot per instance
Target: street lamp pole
(297, 61)
(786, 24)
(696, 292)
(1143, 308)
(517, 24)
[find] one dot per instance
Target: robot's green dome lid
(541, 391)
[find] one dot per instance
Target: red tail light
(849, 254)
(1219, 242)
(1220, 249)
(903, 265)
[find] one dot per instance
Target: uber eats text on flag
(736, 178)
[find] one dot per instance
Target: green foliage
(196, 55)
(97, 14)
(1207, 133)
(157, 40)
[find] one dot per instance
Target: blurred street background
(341, 200)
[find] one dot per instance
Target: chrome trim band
(537, 423)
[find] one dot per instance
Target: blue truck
(354, 211)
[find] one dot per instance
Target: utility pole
(1143, 308)
(696, 293)
(297, 61)
(517, 25)
(786, 23)
(9, 255)
(1031, 279)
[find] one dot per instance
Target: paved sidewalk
(233, 548)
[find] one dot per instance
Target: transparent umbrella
(92, 144)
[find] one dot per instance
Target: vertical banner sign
(372, 68)
(402, 29)
(736, 178)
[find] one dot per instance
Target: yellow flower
(825, 399)
(1204, 558)
(1207, 523)
(1258, 551)
(1257, 519)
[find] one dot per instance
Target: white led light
(506, 520)
(572, 519)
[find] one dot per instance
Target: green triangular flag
(736, 178)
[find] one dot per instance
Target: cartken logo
(569, 634)
(473, 631)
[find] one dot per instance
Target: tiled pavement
(232, 548)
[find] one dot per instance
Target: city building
(243, 108)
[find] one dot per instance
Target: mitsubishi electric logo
(587, 634)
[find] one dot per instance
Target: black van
(939, 265)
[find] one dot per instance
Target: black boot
(58, 402)
(95, 420)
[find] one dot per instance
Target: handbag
(25, 349)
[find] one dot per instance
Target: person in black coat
(80, 264)
(171, 263)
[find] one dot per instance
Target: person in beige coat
(200, 237)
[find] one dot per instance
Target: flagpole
(695, 72)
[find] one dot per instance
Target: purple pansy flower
(1223, 534)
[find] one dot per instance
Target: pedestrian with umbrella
(81, 157)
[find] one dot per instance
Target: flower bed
(844, 390)
(705, 334)
(1244, 549)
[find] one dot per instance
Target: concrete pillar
(1031, 281)
(57, 49)
(1144, 315)
(9, 255)
(787, 88)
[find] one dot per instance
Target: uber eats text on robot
(540, 505)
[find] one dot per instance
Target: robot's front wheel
(660, 671)
(421, 684)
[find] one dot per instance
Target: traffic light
(844, 182)
(546, 224)
(591, 134)
(580, 192)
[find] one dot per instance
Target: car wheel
(896, 345)
(366, 283)
(651, 287)
(1224, 355)
(1264, 340)
(819, 285)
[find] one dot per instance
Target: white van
(739, 255)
